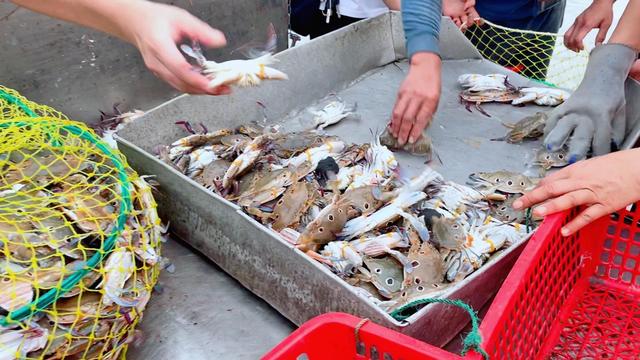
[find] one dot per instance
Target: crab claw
(314, 255)
(186, 125)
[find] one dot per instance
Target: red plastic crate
(333, 336)
(571, 298)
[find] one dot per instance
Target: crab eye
(320, 229)
(415, 263)
(390, 281)
(340, 211)
(330, 217)
(522, 183)
(560, 156)
(420, 288)
(417, 280)
(404, 294)
(455, 226)
(377, 270)
(436, 285)
(504, 208)
(366, 206)
(509, 182)
(277, 216)
(548, 157)
(497, 180)
(217, 178)
(280, 202)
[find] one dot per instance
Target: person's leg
(528, 54)
(307, 19)
(302, 16)
(537, 56)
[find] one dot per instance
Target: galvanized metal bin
(360, 63)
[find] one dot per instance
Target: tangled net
(79, 238)
(535, 55)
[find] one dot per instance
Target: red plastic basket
(337, 336)
(571, 298)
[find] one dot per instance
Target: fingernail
(541, 210)
(573, 159)
(412, 140)
(564, 231)
(517, 204)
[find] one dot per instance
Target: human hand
(156, 29)
(455, 10)
(417, 99)
(635, 70)
(595, 112)
(462, 12)
(598, 15)
(604, 184)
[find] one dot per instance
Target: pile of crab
(58, 208)
(349, 206)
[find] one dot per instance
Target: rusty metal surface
(80, 71)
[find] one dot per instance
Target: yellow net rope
(79, 238)
(535, 55)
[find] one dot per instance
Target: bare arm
(392, 4)
(99, 15)
(153, 28)
(628, 30)
(420, 91)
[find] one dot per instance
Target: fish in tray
(348, 207)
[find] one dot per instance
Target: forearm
(392, 4)
(628, 30)
(102, 15)
(421, 20)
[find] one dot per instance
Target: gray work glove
(595, 112)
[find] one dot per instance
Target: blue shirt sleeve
(421, 21)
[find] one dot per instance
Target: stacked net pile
(79, 238)
(535, 55)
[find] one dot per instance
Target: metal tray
(362, 63)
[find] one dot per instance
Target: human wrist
(614, 59)
(123, 21)
(426, 60)
(634, 158)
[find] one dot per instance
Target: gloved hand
(595, 112)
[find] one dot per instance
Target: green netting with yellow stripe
(536, 55)
(79, 238)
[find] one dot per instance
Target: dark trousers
(528, 54)
(308, 20)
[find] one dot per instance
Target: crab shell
(293, 204)
(243, 73)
